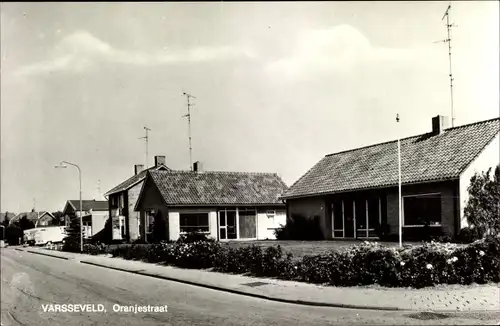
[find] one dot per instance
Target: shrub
(369, 263)
(382, 231)
(468, 235)
(94, 249)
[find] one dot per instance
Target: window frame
(194, 213)
(419, 195)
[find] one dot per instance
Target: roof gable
(95, 205)
(424, 158)
(217, 188)
(133, 180)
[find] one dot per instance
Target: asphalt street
(29, 282)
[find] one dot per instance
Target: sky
(277, 85)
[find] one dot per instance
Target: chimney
(439, 124)
(197, 166)
(138, 168)
(159, 160)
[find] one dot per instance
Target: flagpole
(399, 188)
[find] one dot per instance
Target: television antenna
(188, 115)
(146, 138)
(449, 26)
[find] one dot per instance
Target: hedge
(369, 263)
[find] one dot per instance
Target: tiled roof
(133, 180)
(95, 205)
(32, 216)
(218, 188)
(427, 157)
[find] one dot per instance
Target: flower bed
(368, 263)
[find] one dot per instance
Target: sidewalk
(451, 298)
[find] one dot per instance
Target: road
(29, 281)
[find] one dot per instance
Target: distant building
(94, 214)
(7, 215)
(42, 218)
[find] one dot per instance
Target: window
(422, 209)
(338, 220)
(194, 222)
(270, 217)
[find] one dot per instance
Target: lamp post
(65, 164)
(399, 188)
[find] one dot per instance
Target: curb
(259, 296)
(18, 249)
(45, 254)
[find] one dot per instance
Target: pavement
(445, 298)
(30, 282)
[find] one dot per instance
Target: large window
(194, 222)
(338, 220)
(421, 209)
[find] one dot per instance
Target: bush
(369, 263)
(468, 235)
(300, 228)
(94, 249)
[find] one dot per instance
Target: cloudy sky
(277, 85)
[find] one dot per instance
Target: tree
(72, 239)
(106, 234)
(26, 224)
(483, 207)
(12, 234)
(58, 218)
(6, 221)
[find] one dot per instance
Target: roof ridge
(473, 123)
(409, 137)
(220, 172)
(144, 171)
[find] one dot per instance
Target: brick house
(353, 192)
(95, 213)
(122, 199)
(224, 205)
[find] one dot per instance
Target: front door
(227, 224)
(349, 218)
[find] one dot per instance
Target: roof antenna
(188, 115)
(146, 138)
(448, 40)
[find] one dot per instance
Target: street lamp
(399, 188)
(64, 165)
